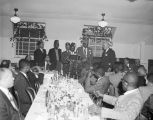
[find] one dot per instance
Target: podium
(74, 66)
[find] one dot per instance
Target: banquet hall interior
(56, 26)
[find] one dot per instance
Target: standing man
(127, 65)
(65, 59)
(108, 56)
(86, 54)
(8, 107)
(55, 57)
(40, 54)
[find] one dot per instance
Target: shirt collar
(5, 91)
(25, 75)
(41, 49)
(107, 49)
(130, 91)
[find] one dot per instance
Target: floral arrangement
(64, 100)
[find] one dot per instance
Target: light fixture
(15, 18)
(102, 23)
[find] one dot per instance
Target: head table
(60, 98)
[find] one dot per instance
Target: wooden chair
(31, 92)
(37, 85)
(17, 99)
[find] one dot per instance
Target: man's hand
(98, 94)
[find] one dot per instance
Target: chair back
(17, 99)
(31, 92)
(37, 85)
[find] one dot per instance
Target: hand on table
(98, 94)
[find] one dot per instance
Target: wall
(130, 40)
(0, 38)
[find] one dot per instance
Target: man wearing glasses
(127, 106)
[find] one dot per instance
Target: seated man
(21, 83)
(97, 82)
(8, 107)
(146, 91)
(127, 106)
(116, 78)
(142, 73)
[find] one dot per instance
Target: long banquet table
(38, 110)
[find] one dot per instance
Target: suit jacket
(39, 57)
(126, 107)
(65, 61)
(20, 85)
(32, 79)
(7, 111)
(141, 81)
(52, 56)
(88, 57)
(101, 85)
(147, 109)
(108, 59)
(128, 68)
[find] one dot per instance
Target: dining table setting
(61, 98)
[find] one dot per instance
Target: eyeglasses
(124, 82)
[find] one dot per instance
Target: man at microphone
(85, 53)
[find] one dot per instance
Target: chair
(17, 98)
(31, 92)
(37, 85)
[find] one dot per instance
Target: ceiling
(139, 11)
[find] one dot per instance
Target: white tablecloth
(38, 109)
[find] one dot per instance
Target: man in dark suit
(8, 107)
(40, 54)
(108, 56)
(55, 57)
(127, 65)
(21, 84)
(86, 54)
(65, 59)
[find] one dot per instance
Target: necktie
(85, 52)
(12, 100)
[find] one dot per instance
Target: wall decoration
(25, 36)
(96, 35)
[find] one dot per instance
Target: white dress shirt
(57, 55)
(85, 51)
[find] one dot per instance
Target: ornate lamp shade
(102, 23)
(15, 18)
